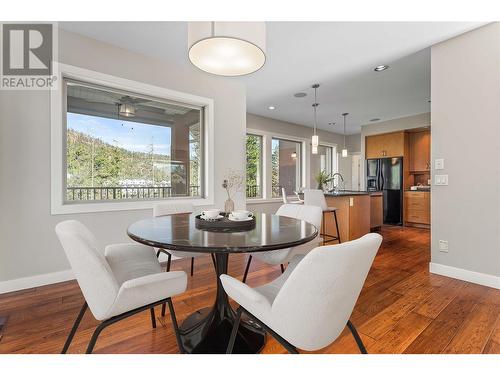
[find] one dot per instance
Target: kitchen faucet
(335, 188)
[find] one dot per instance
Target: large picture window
(286, 171)
(124, 146)
(254, 166)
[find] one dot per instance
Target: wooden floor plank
(385, 320)
(401, 335)
(493, 344)
(440, 331)
(476, 330)
(440, 298)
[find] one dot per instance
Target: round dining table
(208, 330)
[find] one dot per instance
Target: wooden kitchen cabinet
(376, 210)
(420, 151)
(388, 145)
(418, 208)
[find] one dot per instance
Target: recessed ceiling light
(374, 119)
(271, 107)
(381, 68)
(300, 94)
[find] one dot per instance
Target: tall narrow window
(124, 146)
(324, 160)
(254, 166)
(286, 168)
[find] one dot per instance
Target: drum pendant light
(227, 48)
(315, 138)
(344, 150)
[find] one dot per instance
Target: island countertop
(346, 193)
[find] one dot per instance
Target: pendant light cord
(315, 106)
(344, 131)
(344, 115)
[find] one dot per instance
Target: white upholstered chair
(285, 199)
(118, 282)
(316, 197)
(310, 304)
(310, 214)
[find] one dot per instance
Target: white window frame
(57, 126)
(334, 146)
(267, 163)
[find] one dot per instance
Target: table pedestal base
(208, 330)
(203, 332)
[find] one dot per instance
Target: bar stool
(316, 197)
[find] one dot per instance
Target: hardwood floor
(402, 309)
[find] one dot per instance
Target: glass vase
(229, 205)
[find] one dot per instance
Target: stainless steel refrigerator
(386, 175)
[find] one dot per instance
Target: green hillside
(111, 163)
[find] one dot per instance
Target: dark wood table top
(179, 232)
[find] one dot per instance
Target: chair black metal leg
(361, 346)
(234, 332)
(74, 328)
(213, 261)
(169, 260)
(176, 327)
(323, 227)
(153, 317)
(163, 307)
(247, 268)
(95, 335)
(282, 268)
(337, 226)
(169, 257)
(192, 266)
(118, 318)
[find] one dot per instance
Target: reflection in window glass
(286, 170)
(120, 146)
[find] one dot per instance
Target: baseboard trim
(34, 281)
(466, 275)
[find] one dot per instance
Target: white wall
(465, 132)
(29, 245)
(403, 123)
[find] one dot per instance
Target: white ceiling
(338, 55)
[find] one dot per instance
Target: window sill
(79, 208)
(263, 201)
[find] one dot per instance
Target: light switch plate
(443, 246)
(439, 164)
(441, 179)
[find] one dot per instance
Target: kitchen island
(353, 214)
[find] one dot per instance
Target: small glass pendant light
(344, 150)
(315, 138)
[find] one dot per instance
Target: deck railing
(83, 193)
(253, 191)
